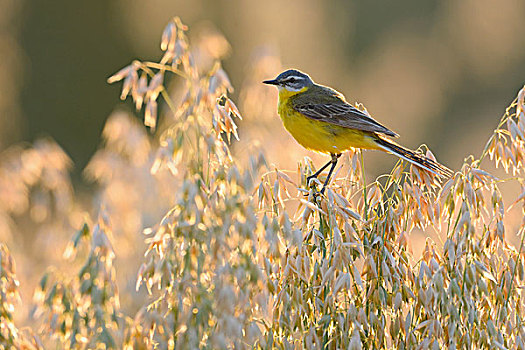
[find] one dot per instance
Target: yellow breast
(318, 135)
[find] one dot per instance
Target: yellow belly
(321, 136)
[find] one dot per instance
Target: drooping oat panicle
(246, 255)
(90, 295)
(10, 335)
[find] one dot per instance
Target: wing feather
(338, 112)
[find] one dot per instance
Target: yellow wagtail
(320, 119)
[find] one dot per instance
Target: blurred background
(436, 72)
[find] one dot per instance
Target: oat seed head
(242, 254)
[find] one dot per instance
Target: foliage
(245, 257)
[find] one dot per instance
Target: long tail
(413, 157)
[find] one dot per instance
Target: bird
(320, 119)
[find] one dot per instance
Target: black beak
(271, 82)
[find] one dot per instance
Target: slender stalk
(501, 123)
(515, 267)
(364, 185)
(168, 68)
(145, 67)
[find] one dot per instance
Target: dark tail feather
(414, 158)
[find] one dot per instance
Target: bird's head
(291, 80)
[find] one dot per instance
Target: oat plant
(246, 256)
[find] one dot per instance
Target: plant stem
(364, 185)
(502, 121)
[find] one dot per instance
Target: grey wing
(342, 114)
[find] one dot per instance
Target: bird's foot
(313, 194)
(309, 185)
(317, 198)
(313, 176)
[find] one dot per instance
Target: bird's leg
(335, 157)
(316, 174)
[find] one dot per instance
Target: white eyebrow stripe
(296, 77)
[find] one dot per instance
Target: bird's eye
(291, 80)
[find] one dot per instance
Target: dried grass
(247, 258)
